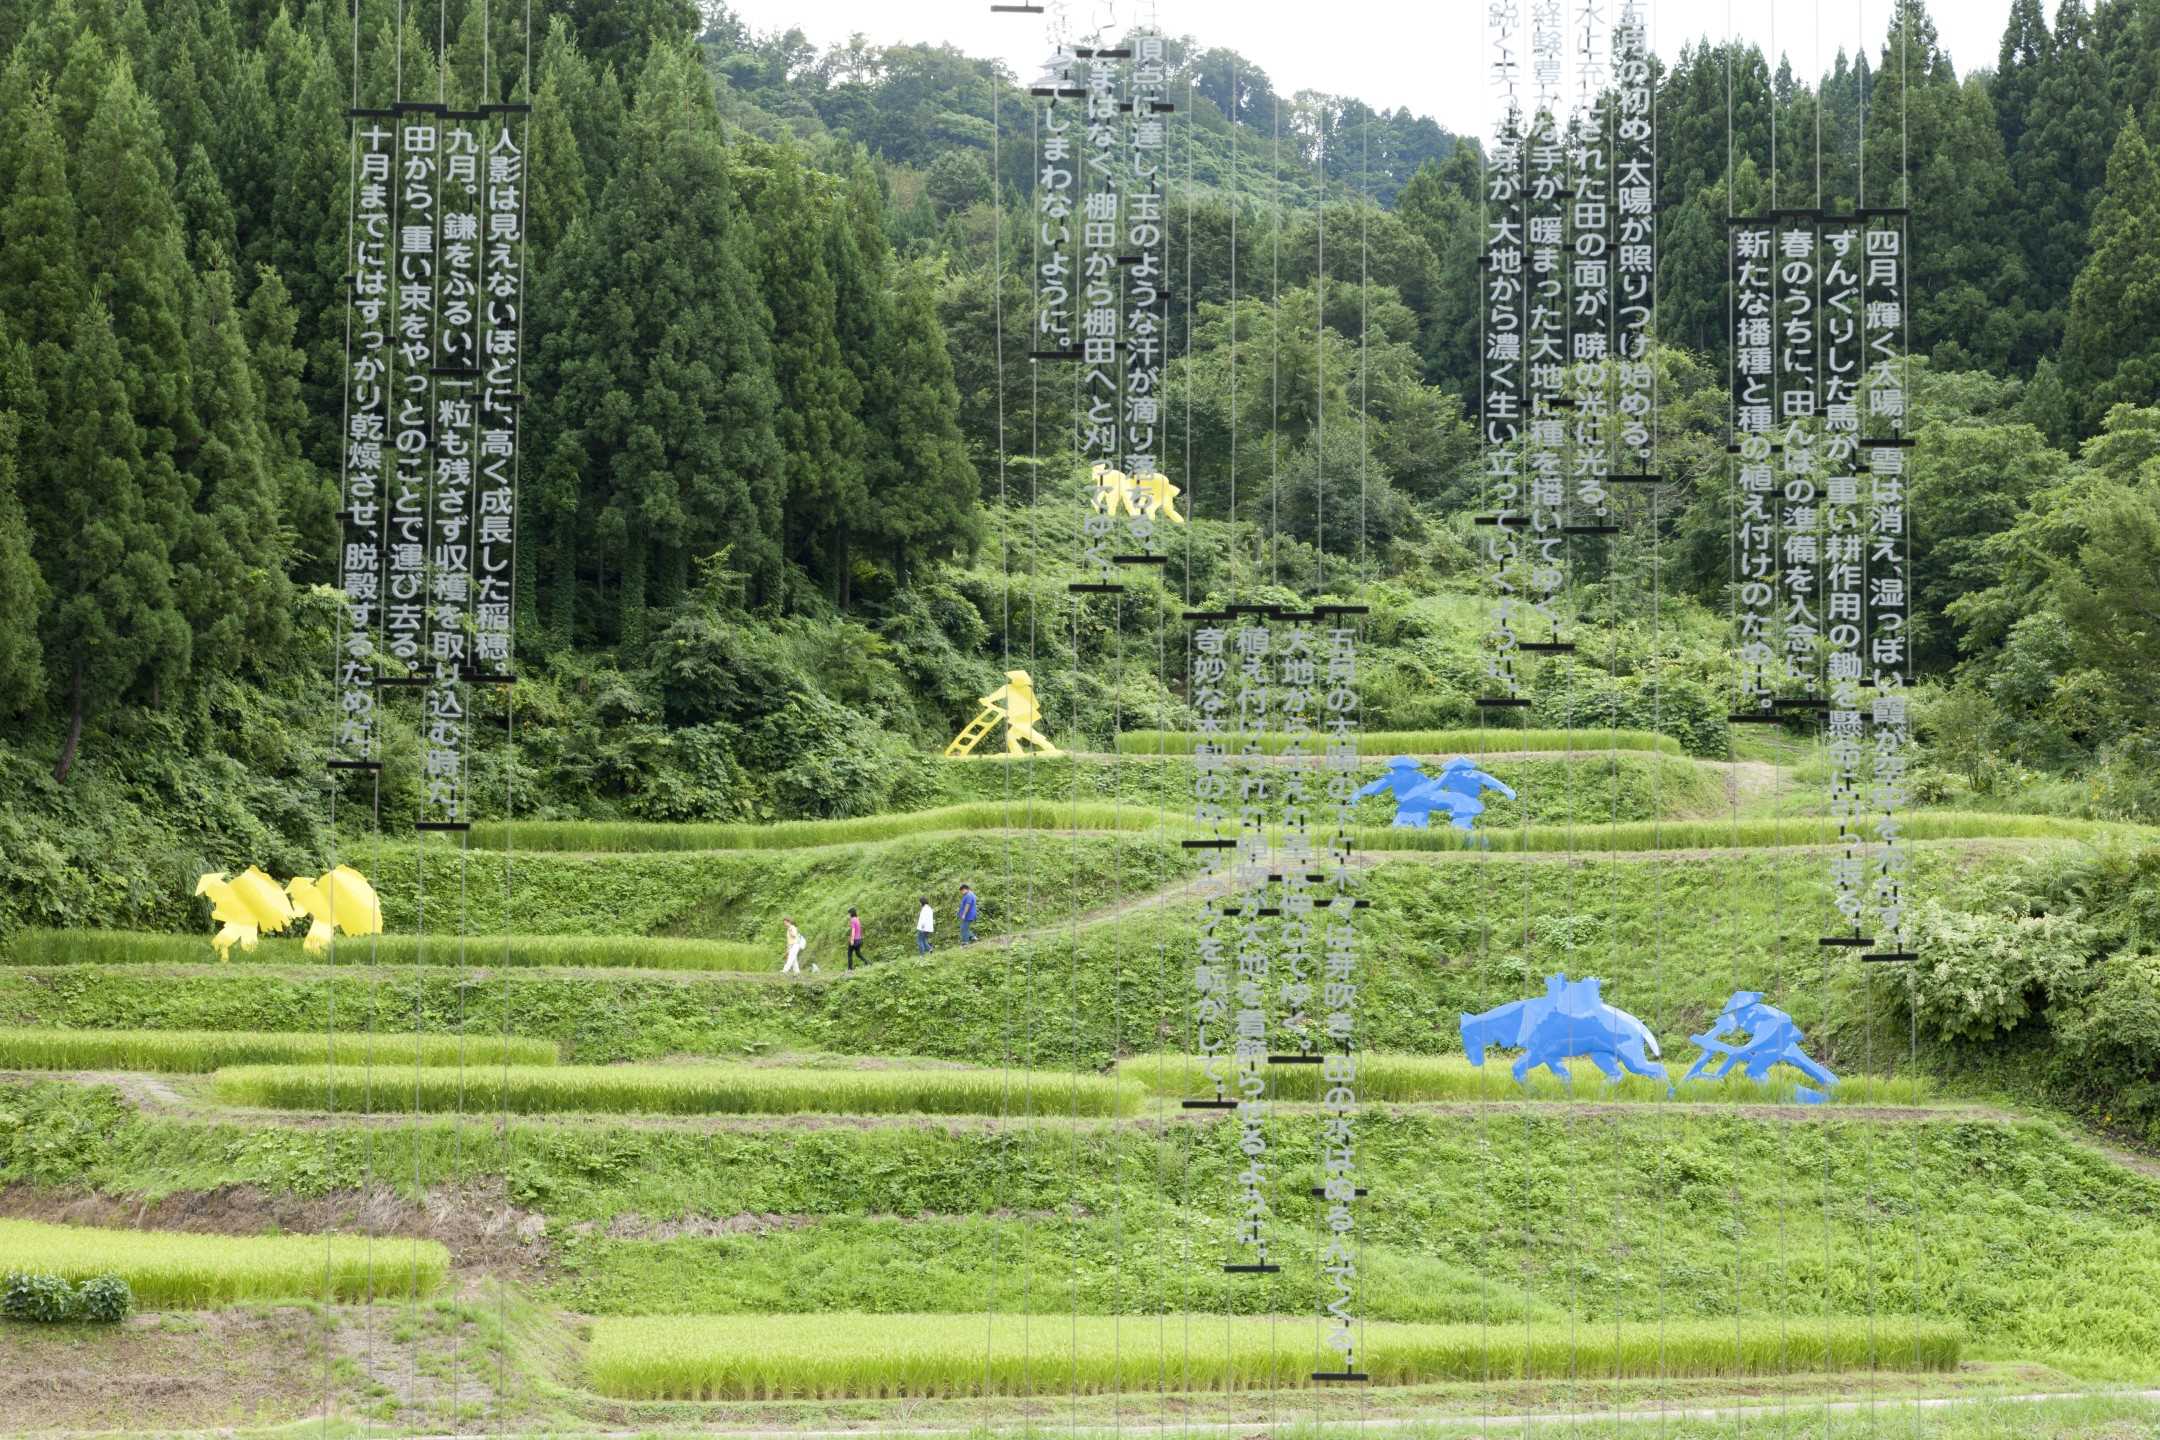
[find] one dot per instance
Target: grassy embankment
(2039, 1247)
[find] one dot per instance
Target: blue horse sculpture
(1772, 1039)
(1457, 792)
(1571, 1018)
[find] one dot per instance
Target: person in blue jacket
(969, 909)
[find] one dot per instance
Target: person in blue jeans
(925, 925)
(969, 909)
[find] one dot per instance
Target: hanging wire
(1185, 1132)
(1005, 1055)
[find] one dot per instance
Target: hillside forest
(783, 516)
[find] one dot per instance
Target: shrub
(104, 1300)
(1981, 975)
(40, 1298)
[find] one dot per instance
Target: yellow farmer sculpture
(1151, 496)
(247, 905)
(1014, 703)
(341, 899)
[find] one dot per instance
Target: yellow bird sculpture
(246, 905)
(340, 899)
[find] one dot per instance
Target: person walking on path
(925, 923)
(854, 938)
(795, 942)
(969, 909)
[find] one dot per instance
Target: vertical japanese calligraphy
(449, 587)
(1212, 782)
(1589, 301)
(1297, 676)
(1634, 166)
(1883, 331)
(412, 384)
(1105, 164)
(1501, 362)
(1797, 384)
(1338, 999)
(502, 284)
(367, 394)
(1253, 696)
(1546, 328)
(1754, 533)
(1843, 556)
(1146, 301)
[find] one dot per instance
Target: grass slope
(2040, 1248)
(1671, 937)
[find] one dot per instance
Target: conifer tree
(661, 368)
(1933, 144)
(41, 274)
(923, 504)
(2111, 342)
(137, 260)
(22, 585)
(2027, 52)
(229, 565)
(307, 494)
(113, 628)
(206, 214)
(817, 420)
(2061, 160)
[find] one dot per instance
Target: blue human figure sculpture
(1571, 1018)
(1462, 776)
(1772, 1039)
(1457, 792)
(1418, 795)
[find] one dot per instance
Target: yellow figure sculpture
(1014, 703)
(246, 905)
(1149, 496)
(341, 899)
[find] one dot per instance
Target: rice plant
(1726, 834)
(637, 952)
(174, 1271)
(615, 836)
(1409, 1079)
(1426, 742)
(197, 1051)
(670, 1090)
(759, 1357)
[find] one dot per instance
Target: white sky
(1426, 58)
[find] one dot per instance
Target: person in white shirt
(795, 942)
(925, 923)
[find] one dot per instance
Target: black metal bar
(1548, 647)
(356, 764)
(1847, 942)
(1103, 589)
(1139, 559)
(1889, 957)
(1501, 702)
(1322, 1190)
(450, 827)
(1297, 1059)
(1340, 1375)
(1209, 1104)
(1252, 1269)
(1209, 844)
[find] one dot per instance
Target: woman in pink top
(854, 939)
